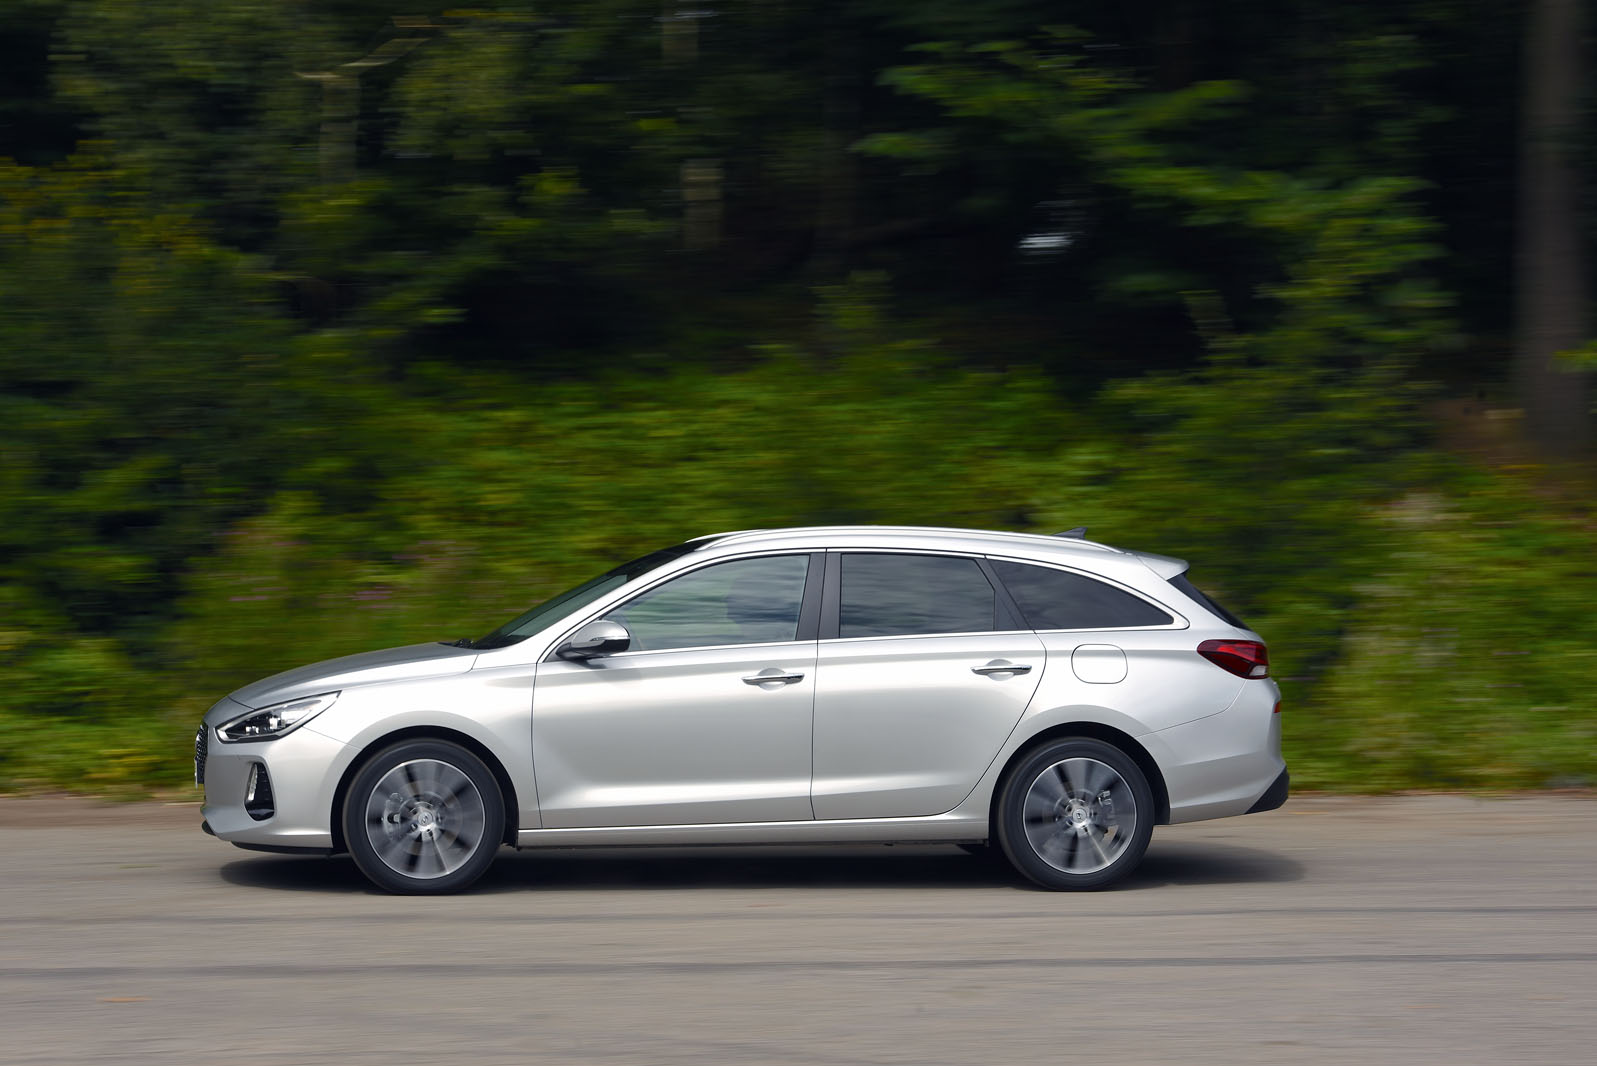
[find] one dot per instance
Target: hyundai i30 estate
(1052, 696)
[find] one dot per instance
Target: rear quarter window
(1058, 599)
(1184, 583)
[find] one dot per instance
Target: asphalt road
(1410, 930)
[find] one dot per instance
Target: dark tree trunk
(840, 118)
(1550, 276)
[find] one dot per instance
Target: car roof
(1066, 550)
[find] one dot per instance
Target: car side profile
(1052, 696)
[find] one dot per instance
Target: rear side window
(1058, 599)
(1182, 582)
(900, 595)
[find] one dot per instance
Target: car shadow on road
(1211, 864)
(860, 866)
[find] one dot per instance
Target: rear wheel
(423, 817)
(1075, 813)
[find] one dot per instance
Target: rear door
(923, 669)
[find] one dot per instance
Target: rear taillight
(1245, 658)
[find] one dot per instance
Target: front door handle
(765, 677)
(999, 666)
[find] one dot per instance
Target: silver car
(1051, 696)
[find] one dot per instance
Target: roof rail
(1079, 533)
(746, 535)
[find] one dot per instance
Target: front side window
(745, 601)
(1058, 599)
(899, 595)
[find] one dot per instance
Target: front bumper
(303, 770)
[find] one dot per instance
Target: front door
(681, 729)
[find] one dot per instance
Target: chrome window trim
(930, 636)
(954, 553)
(1172, 628)
(1181, 621)
(699, 648)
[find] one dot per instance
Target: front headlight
(269, 723)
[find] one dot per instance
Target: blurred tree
(200, 99)
(1551, 280)
(1303, 388)
(274, 359)
(36, 124)
(340, 132)
(141, 382)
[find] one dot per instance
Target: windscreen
(525, 625)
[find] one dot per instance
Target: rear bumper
(1273, 796)
(1225, 764)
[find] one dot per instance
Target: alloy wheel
(425, 818)
(1079, 815)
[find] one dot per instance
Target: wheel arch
(1092, 731)
(507, 789)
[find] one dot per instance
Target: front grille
(201, 740)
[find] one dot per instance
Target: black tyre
(423, 817)
(1075, 814)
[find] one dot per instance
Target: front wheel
(423, 817)
(1075, 813)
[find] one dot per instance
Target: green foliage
(1470, 661)
(290, 369)
(1264, 462)
(527, 497)
(138, 437)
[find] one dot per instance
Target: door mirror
(595, 639)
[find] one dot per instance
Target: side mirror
(595, 639)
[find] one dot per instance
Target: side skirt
(935, 829)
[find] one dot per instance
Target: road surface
(1421, 929)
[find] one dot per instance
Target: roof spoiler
(1165, 566)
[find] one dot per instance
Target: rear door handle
(765, 677)
(999, 666)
